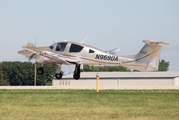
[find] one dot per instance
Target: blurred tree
(22, 73)
(49, 71)
(3, 80)
(163, 66)
(104, 69)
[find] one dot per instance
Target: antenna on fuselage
(83, 40)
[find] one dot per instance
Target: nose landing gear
(58, 75)
(40, 71)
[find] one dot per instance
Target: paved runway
(94, 87)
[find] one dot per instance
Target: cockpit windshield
(52, 46)
(61, 47)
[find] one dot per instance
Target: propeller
(33, 53)
(31, 56)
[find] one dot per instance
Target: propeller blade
(31, 56)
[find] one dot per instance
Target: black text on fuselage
(106, 57)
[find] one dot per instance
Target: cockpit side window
(75, 48)
(52, 46)
(61, 47)
(91, 51)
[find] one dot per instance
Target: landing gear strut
(76, 74)
(58, 72)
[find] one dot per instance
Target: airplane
(79, 54)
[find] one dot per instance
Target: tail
(148, 57)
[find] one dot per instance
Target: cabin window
(52, 46)
(61, 47)
(75, 48)
(91, 51)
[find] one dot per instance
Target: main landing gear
(76, 74)
(58, 74)
(40, 70)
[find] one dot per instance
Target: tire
(76, 76)
(40, 71)
(58, 75)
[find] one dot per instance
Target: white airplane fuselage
(79, 54)
(87, 56)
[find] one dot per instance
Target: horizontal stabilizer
(154, 42)
(29, 45)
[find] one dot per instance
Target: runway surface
(94, 87)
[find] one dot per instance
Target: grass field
(89, 105)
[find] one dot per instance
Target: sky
(107, 24)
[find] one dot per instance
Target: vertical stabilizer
(148, 57)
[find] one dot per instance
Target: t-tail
(148, 57)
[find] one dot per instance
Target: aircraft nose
(24, 53)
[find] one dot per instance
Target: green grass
(89, 105)
(49, 83)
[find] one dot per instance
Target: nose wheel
(40, 71)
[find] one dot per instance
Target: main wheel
(76, 76)
(40, 71)
(58, 75)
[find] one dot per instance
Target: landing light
(97, 74)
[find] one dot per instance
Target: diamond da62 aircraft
(71, 53)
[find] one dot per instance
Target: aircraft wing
(51, 55)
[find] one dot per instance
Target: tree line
(22, 73)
